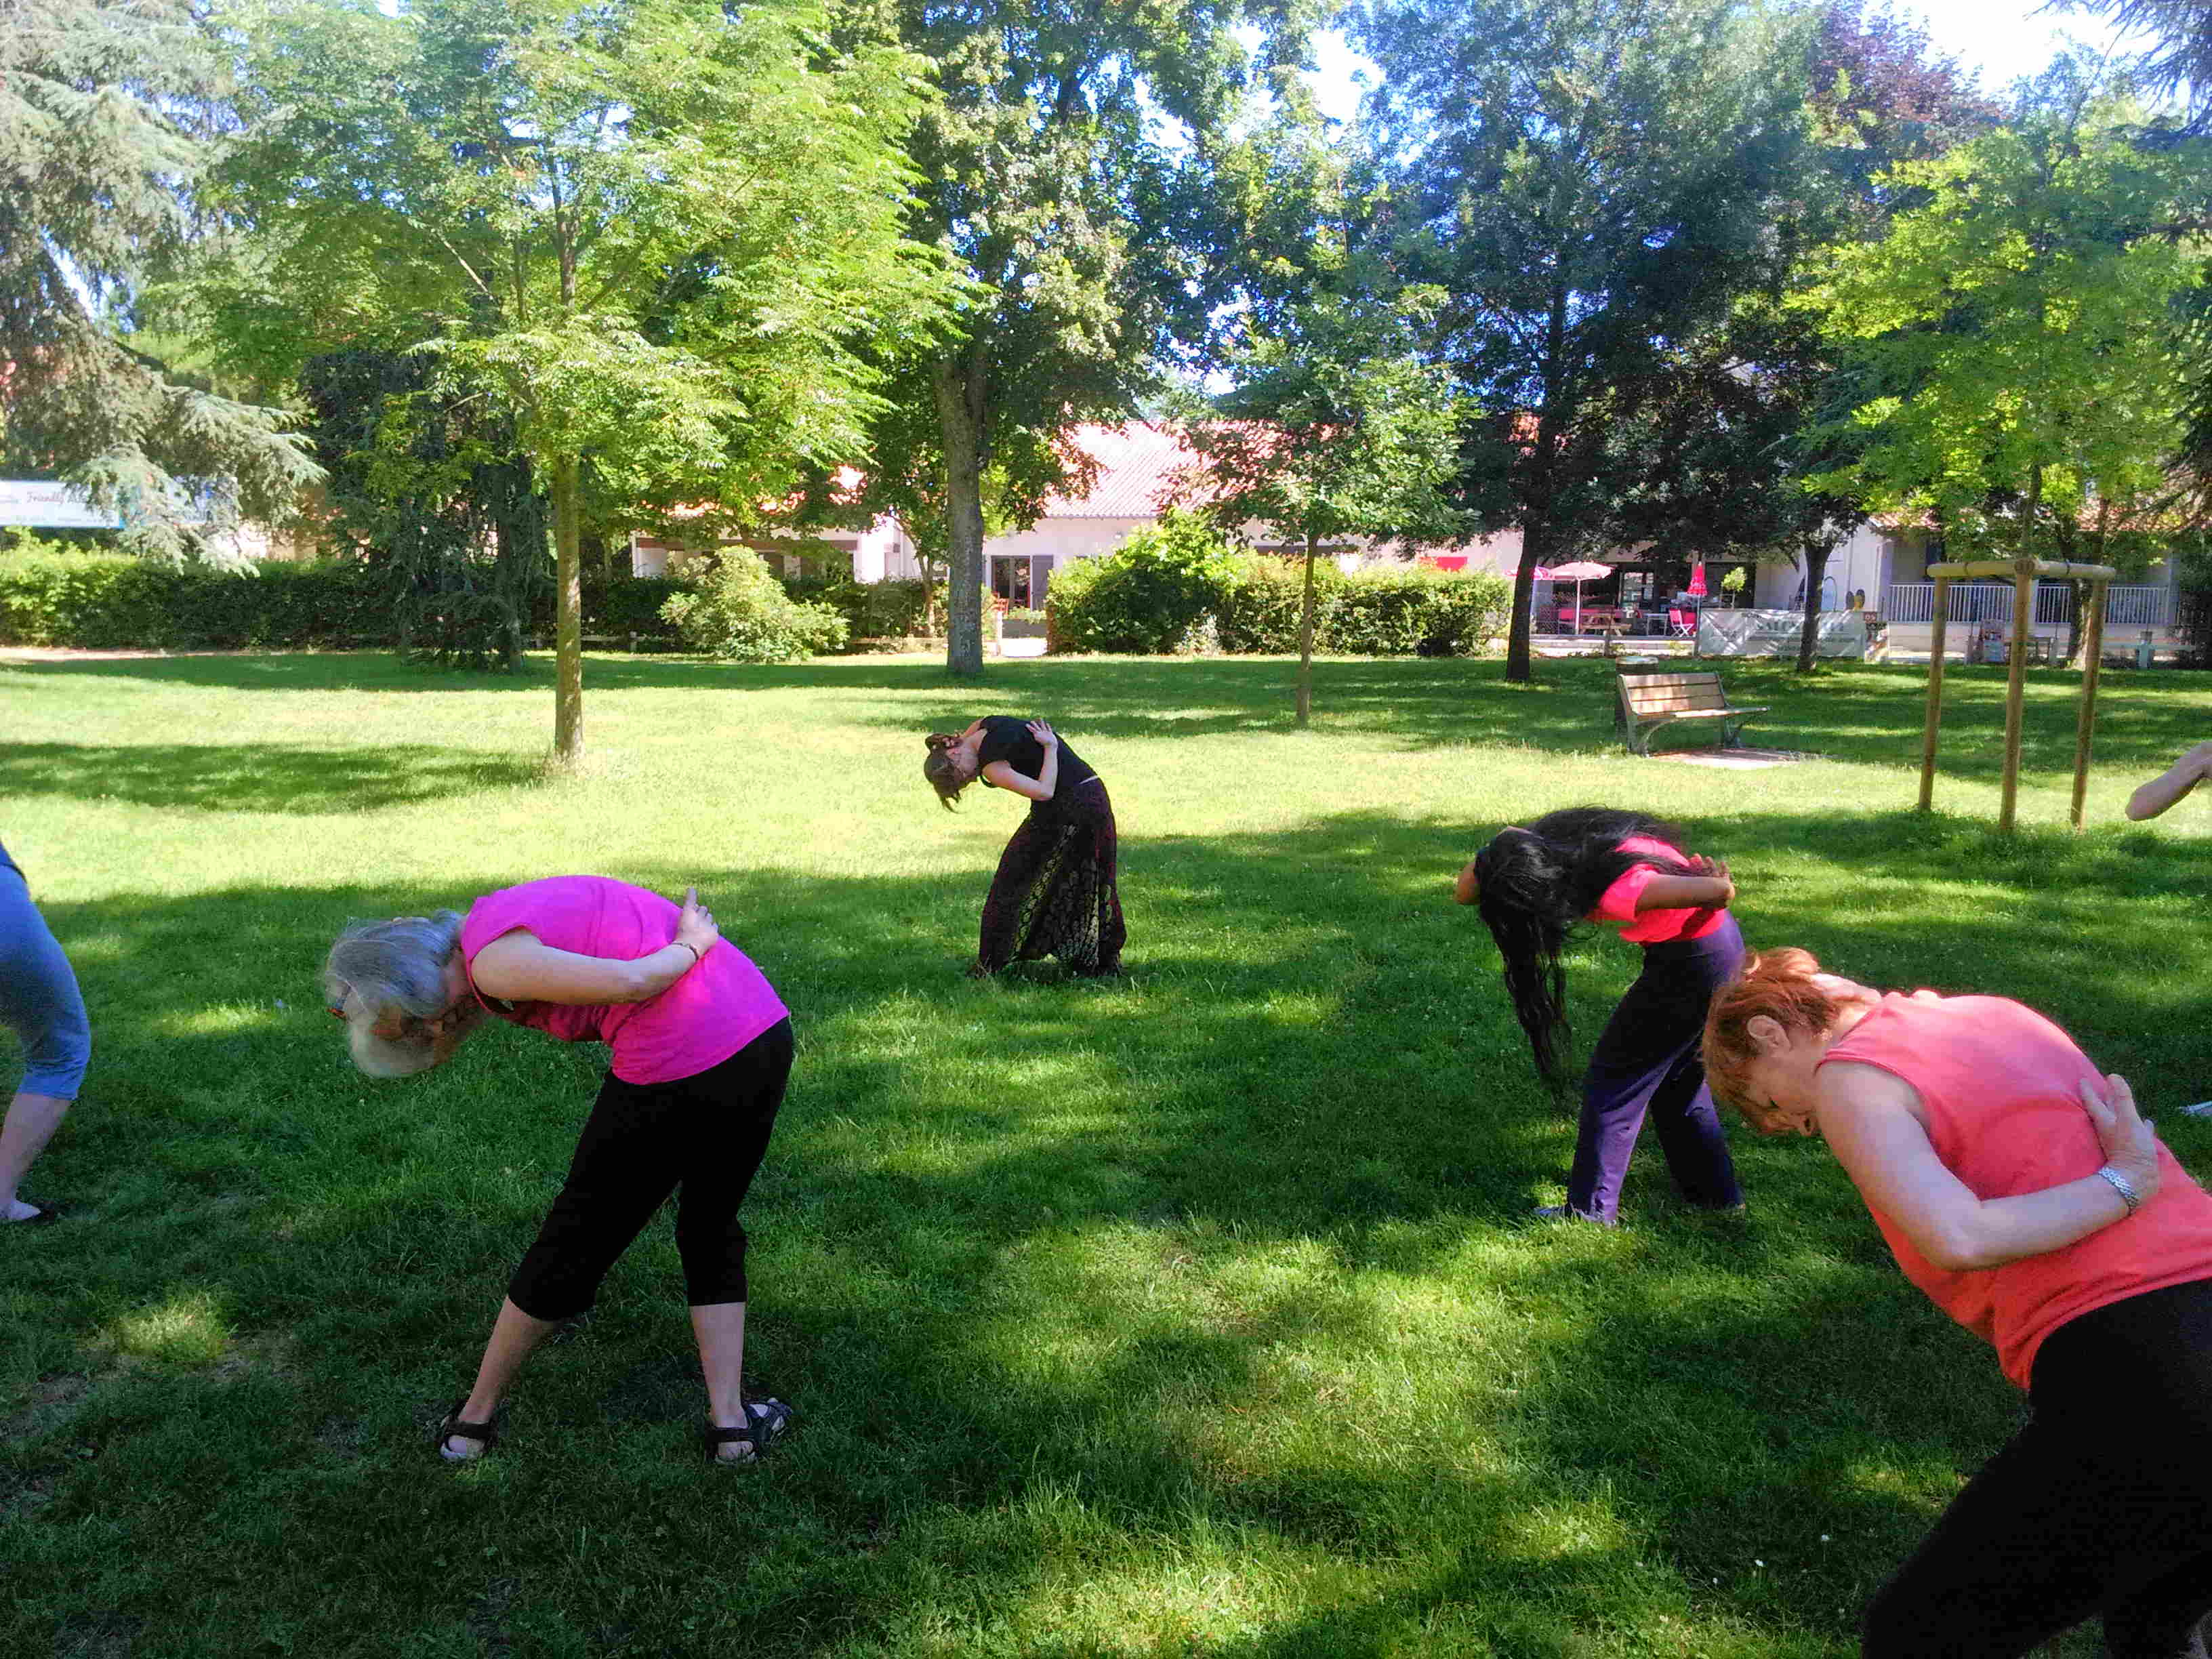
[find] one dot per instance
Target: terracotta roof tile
(1140, 471)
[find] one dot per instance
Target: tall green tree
(1048, 179)
(111, 112)
(1332, 426)
(658, 235)
(1743, 419)
(1590, 182)
(2016, 331)
(2175, 56)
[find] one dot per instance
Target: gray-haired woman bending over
(702, 1050)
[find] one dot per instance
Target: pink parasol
(1582, 570)
(1696, 590)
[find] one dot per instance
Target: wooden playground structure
(2023, 570)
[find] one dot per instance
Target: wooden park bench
(1652, 702)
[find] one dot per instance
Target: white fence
(2132, 606)
(1723, 632)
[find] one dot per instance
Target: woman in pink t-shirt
(701, 1051)
(2028, 1198)
(1618, 869)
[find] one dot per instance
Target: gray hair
(377, 967)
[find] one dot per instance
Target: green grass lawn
(1188, 1314)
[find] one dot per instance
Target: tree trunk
(1518, 666)
(2082, 590)
(567, 617)
(1305, 640)
(1816, 567)
(958, 385)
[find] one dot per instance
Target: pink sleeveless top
(2000, 1087)
(698, 1022)
(1618, 902)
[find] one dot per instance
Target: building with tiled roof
(1138, 469)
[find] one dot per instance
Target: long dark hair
(1536, 883)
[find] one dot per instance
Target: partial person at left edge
(41, 1003)
(701, 1053)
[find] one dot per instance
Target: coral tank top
(696, 1024)
(2000, 1086)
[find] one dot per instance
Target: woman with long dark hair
(2024, 1195)
(1624, 870)
(1054, 893)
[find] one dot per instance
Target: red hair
(1779, 985)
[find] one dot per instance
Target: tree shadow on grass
(1027, 1251)
(257, 777)
(1864, 713)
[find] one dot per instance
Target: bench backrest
(1667, 694)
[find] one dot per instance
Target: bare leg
(32, 1121)
(513, 1334)
(721, 1330)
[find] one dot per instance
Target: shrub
(874, 611)
(1260, 604)
(1395, 613)
(739, 612)
(109, 601)
(1150, 594)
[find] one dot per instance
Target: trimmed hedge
(873, 610)
(1176, 588)
(110, 601)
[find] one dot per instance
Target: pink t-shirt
(2001, 1086)
(1618, 902)
(698, 1022)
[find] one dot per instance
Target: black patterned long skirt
(1054, 893)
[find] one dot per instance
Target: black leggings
(2102, 1505)
(707, 1133)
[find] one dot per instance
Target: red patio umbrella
(1696, 590)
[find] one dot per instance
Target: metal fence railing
(2134, 605)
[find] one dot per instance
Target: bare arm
(1040, 787)
(521, 967)
(2171, 785)
(1870, 1119)
(1711, 890)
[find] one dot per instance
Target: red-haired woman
(1055, 893)
(2025, 1196)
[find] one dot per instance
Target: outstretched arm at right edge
(2171, 785)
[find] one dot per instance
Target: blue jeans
(39, 997)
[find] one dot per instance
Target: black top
(1008, 739)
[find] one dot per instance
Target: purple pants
(1647, 1063)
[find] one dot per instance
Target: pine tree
(110, 112)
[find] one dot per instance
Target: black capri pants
(2101, 1507)
(702, 1137)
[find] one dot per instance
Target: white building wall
(1862, 563)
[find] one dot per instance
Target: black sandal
(451, 1425)
(767, 1422)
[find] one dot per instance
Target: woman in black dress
(1054, 893)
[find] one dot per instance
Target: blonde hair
(1780, 984)
(396, 966)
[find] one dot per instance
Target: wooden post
(1935, 693)
(2092, 646)
(2023, 613)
